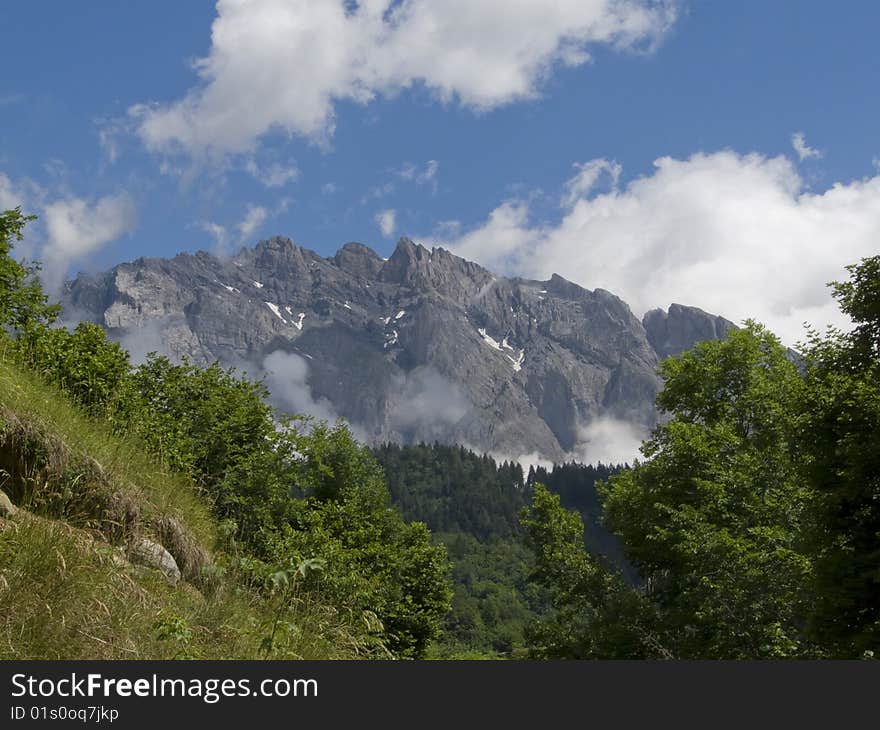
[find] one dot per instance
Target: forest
(749, 528)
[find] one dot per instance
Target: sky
(721, 155)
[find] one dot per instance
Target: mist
(429, 405)
(286, 375)
(610, 441)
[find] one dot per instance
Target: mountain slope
(423, 346)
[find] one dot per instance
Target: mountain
(422, 346)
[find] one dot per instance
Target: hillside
(82, 517)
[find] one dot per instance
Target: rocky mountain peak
(423, 346)
(434, 270)
(681, 328)
(358, 259)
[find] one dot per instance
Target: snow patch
(385, 320)
(518, 356)
(518, 361)
(399, 314)
(489, 340)
(390, 339)
(258, 285)
(347, 305)
(275, 311)
(299, 322)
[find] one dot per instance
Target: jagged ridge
(422, 346)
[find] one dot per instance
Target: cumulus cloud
(76, 228)
(737, 235)
(802, 149)
(283, 64)
(68, 229)
(387, 222)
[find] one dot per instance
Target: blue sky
(112, 137)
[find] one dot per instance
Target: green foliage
(841, 423)
(472, 504)
(22, 301)
(713, 519)
(203, 421)
(452, 489)
(577, 487)
(494, 601)
(374, 560)
(595, 613)
(89, 368)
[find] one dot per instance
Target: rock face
(681, 328)
(422, 346)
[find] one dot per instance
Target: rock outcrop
(153, 555)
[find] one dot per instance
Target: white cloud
(110, 134)
(588, 174)
(255, 216)
(283, 64)
(387, 222)
(10, 196)
(15, 195)
(610, 441)
(287, 379)
(67, 229)
(737, 235)
(219, 234)
(274, 175)
(532, 459)
(803, 150)
(76, 228)
(429, 404)
(411, 173)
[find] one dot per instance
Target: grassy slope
(66, 590)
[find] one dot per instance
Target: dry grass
(65, 595)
